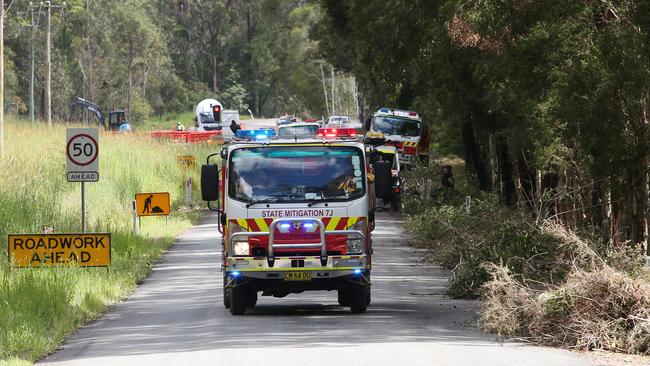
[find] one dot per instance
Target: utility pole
(32, 26)
(48, 60)
(2, 77)
(48, 65)
(31, 71)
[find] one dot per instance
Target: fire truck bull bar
(322, 244)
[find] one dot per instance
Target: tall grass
(39, 307)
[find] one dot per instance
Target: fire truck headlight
(241, 248)
(354, 246)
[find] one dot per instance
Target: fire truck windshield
(296, 174)
(396, 126)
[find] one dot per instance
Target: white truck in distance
(209, 115)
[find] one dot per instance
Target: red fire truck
(404, 130)
(296, 215)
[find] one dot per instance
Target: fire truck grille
(262, 252)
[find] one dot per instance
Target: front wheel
(359, 298)
(239, 299)
(252, 298)
(395, 203)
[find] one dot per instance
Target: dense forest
(547, 102)
(154, 57)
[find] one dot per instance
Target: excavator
(116, 119)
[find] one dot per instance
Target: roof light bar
(336, 132)
(261, 134)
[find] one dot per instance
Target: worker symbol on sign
(152, 204)
(147, 204)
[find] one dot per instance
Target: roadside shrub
(539, 281)
(490, 234)
(598, 309)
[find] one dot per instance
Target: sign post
(82, 161)
(188, 192)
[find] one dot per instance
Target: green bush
(490, 234)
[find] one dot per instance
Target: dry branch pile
(596, 307)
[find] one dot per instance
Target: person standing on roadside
(447, 178)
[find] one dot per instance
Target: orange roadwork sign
(36, 250)
(152, 204)
(187, 161)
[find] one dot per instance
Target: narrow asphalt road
(176, 317)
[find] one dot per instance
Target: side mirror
(383, 179)
(210, 182)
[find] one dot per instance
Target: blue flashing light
(357, 271)
(285, 226)
(235, 274)
(308, 225)
(261, 134)
(384, 110)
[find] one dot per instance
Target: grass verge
(40, 307)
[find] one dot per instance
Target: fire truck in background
(296, 215)
(404, 130)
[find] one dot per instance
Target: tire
(252, 298)
(359, 299)
(368, 297)
(344, 297)
(226, 294)
(395, 203)
(238, 300)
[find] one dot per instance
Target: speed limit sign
(82, 154)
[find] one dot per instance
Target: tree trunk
(639, 204)
(473, 153)
(406, 95)
(606, 210)
(215, 75)
(129, 92)
(505, 168)
(362, 107)
(494, 165)
(519, 190)
(597, 201)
